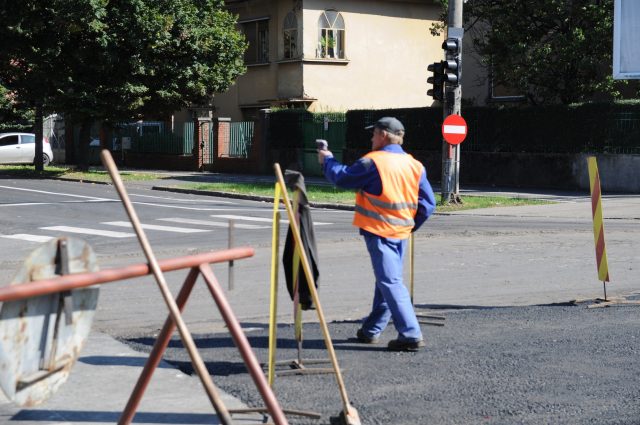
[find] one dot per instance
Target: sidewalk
(99, 386)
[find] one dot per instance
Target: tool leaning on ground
(426, 319)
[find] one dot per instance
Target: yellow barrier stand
(273, 305)
(349, 415)
(297, 366)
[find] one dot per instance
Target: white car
(20, 148)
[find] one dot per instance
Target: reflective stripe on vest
(390, 220)
(388, 205)
(391, 213)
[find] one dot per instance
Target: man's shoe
(400, 345)
(361, 337)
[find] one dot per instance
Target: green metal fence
(240, 139)
(165, 142)
(333, 132)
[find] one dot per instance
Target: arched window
(331, 35)
(290, 36)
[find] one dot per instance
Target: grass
(316, 193)
(330, 194)
(53, 171)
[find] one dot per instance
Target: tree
(25, 50)
(549, 50)
(13, 116)
(117, 61)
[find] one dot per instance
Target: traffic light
(437, 92)
(453, 62)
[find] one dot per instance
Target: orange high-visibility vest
(390, 214)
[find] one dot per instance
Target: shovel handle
(198, 363)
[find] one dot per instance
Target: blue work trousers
(391, 298)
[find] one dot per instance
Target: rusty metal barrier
(198, 264)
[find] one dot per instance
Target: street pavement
(104, 375)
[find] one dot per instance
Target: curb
(246, 197)
(65, 179)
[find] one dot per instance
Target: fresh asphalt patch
(558, 364)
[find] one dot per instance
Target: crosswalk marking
(86, 231)
(212, 223)
(179, 207)
(88, 198)
(29, 238)
(166, 198)
(156, 227)
(244, 217)
(261, 219)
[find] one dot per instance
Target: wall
(259, 84)
(388, 48)
(618, 173)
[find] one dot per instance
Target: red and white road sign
(454, 129)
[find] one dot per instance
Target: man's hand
(324, 154)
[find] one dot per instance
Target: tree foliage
(13, 116)
(549, 50)
(118, 60)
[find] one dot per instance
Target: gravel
(560, 364)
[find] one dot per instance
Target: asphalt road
(483, 258)
(493, 257)
(524, 365)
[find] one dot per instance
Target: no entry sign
(454, 129)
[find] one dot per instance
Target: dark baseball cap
(390, 124)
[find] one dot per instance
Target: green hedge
(588, 128)
(422, 127)
(298, 128)
(585, 128)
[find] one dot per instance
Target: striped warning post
(598, 224)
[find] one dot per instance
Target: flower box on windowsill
(327, 61)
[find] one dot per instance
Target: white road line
(56, 193)
(156, 227)
(205, 201)
(29, 204)
(86, 231)
(212, 223)
(176, 206)
(243, 217)
(27, 237)
(261, 219)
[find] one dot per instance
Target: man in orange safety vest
(394, 199)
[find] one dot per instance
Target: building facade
(330, 55)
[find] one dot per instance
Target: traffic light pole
(450, 180)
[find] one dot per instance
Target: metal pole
(411, 265)
(273, 304)
(231, 243)
(452, 101)
(83, 280)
